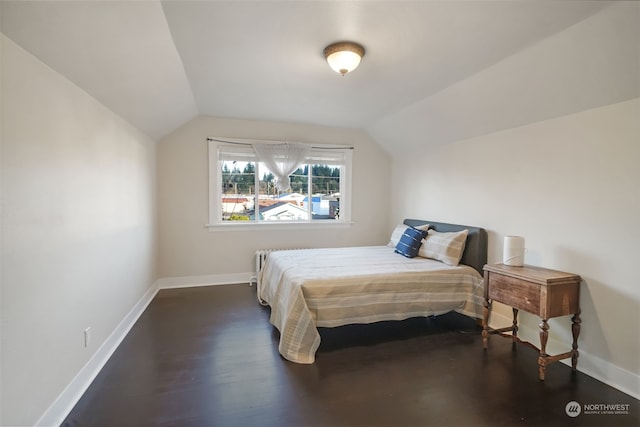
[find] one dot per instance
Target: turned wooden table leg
(514, 330)
(575, 330)
(542, 360)
(485, 323)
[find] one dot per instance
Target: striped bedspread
(332, 287)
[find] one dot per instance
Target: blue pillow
(410, 242)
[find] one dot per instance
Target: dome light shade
(343, 57)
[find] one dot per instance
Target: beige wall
(187, 248)
(78, 230)
(571, 187)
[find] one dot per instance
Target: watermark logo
(573, 409)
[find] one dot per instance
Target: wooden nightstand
(540, 291)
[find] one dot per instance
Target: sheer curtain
(282, 159)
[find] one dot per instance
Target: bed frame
(475, 250)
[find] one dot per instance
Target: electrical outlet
(87, 336)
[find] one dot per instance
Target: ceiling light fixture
(344, 57)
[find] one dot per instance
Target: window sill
(236, 226)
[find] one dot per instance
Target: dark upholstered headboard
(475, 250)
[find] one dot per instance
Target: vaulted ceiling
(159, 64)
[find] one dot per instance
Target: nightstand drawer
(515, 293)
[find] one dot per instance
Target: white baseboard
(62, 406)
(208, 280)
(619, 378)
(626, 381)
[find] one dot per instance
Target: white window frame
(243, 148)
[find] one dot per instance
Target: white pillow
(445, 247)
(399, 231)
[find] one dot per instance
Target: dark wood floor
(208, 357)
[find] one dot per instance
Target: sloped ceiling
(159, 64)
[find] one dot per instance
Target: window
(243, 189)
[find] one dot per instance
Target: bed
(330, 287)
